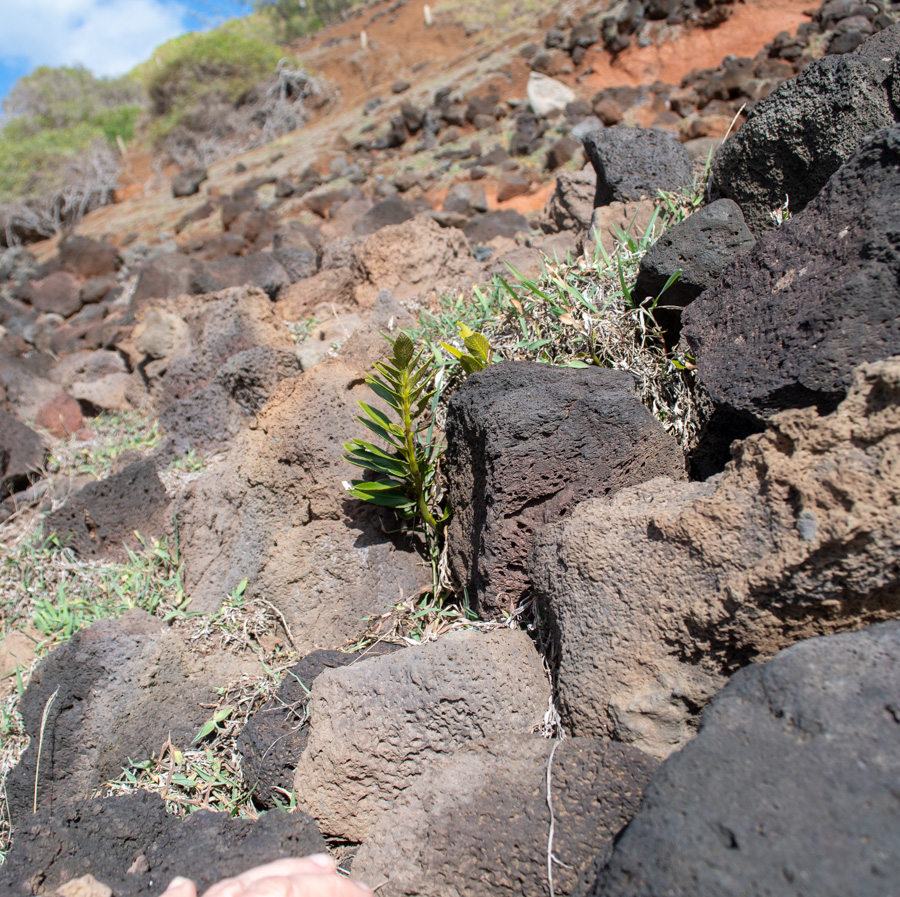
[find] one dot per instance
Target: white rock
(547, 95)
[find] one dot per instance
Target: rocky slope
(709, 578)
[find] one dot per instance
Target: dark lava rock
(433, 839)
(276, 734)
(122, 688)
(168, 275)
(131, 844)
(187, 182)
(297, 263)
(22, 454)
(466, 199)
(208, 847)
(788, 321)
(503, 223)
(791, 783)
(527, 136)
(632, 163)
(392, 210)
(100, 519)
(57, 293)
(796, 138)
(102, 838)
(700, 247)
(525, 443)
(210, 418)
(260, 269)
(88, 258)
(250, 377)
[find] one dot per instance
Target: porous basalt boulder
(790, 783)
(179, 346)
(101, 519)
(699, 247)
(131, 846)
(790, 319)
(275, 736)
(434, 840)
(572, 203)
(122, 688)
(377, 727)
(526, 443)
(634, 163)
(656, 597)
(276, 512)
(796, 138)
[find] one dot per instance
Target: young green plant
(407, 470)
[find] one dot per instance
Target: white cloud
(107, 36)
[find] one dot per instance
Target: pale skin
(313, 876)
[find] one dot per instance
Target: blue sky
(108, 37)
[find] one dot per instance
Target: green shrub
(190, 68)
(56, 116)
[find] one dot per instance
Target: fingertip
(180, 887)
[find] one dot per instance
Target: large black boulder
(796, 138)
(632, 163)
(790, 319)
(700, 247)
(790, 787)
(525, 443)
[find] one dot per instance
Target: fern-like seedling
(407, 467)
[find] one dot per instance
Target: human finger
(180, 887)
(317, 864)
(326, 884)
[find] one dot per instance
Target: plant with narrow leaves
(407, 469)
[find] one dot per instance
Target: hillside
(463, 446)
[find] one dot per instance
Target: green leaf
(386, 435)
(378, 416)
(403, 350)
(478, 345)
(223, 714)
(208, 727)
(383, 499)
(383, 392)
(470, 365)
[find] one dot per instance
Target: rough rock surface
(700, 247)
(632, 163)
(477, 823)
(788, 321)
(658, 596)
(276, 512)
(100, 519)
(790, 785)
(416, 257)
(276, 734)
(377, 727)
(211, 418)
(572, 202)
(125, 686)
(526, 443)
(22, 454)
(180, 345)
(796, 138)
(130, 844)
